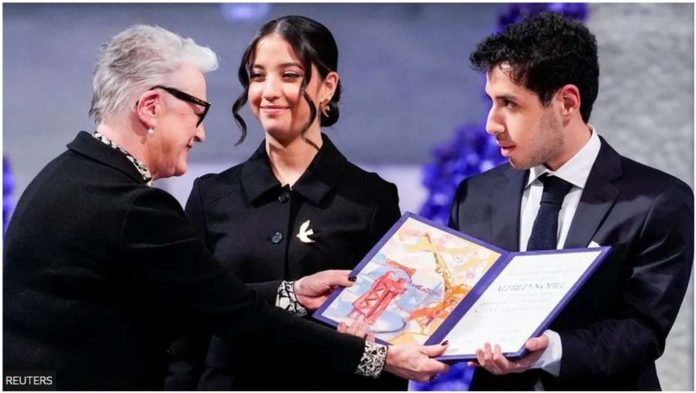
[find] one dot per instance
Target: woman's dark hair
(546, 52)
(313, 44)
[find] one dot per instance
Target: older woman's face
(177, 130)
(274, 88)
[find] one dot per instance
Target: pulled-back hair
(545, 52)
(137, 59)
(314, 45)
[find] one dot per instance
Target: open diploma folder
(424, 283)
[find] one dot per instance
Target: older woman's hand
(415, 362)
(311, 291)
(357, 328)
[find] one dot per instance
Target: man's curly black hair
(545, 52)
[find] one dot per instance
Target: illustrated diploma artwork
(424, 283)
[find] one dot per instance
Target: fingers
(436, 366)
(356, 328)
(492, 359)
(537, 343)
(432, 351)
(337, 278)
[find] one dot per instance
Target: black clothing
(251, 222)
(102, 272)
(615, 327)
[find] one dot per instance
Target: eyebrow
(504, 97)
(291, 64)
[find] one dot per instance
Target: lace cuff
(373, 360)
(287, 300)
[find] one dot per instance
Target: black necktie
(545, 227)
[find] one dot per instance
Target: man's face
(528, 133)
(177, 128)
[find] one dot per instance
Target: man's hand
(494, 361)
(312, 291)
(414, 361)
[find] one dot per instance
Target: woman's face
(177, 128)
(275, 89)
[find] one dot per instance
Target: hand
(414, 361)
(494, 361)
(311, 291)
(358, 329)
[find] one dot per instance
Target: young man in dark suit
(565, 187)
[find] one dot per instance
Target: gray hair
(137, 59)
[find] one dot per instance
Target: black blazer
(101, 272)
(615, 328)
(250, 222)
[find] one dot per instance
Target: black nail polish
(445, 342)
(352, 279)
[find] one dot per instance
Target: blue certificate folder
(424, 283)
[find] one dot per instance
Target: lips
(273, 109)
(505, 148)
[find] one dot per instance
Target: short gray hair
(137, 59)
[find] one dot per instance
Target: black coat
(250, 222)
(101, 272)
(615, 327)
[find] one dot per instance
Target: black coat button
(284, 197)
(277, 238)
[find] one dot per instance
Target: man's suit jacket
(101, 272)
(615, 327)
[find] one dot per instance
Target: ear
(148, 108)
(328, 87)
(569, 99)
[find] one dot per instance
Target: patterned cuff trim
(373, 360)
(287, 300)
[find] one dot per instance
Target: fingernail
(445, 342)
(352, 279)
(432, 378)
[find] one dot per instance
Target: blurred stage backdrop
(412, 109)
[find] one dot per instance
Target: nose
(271, 89)
(200, 134)
(493, 125)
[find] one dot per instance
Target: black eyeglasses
(188, 98)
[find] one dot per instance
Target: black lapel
(506, 200)
(597, 197)
(89, 146)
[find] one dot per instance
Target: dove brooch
(305, 232)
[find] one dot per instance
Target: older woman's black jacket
(101, 272)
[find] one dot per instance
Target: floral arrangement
(8, 186)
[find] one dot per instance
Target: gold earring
(325, 108)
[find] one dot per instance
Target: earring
(150, 131)
(325, 108)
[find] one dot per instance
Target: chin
(180, 170)
(276, 130)
(522, 166)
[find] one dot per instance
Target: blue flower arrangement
(8, 186)
(470, 152)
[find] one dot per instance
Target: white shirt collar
(576, 170)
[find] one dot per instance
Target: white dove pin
(305, 232)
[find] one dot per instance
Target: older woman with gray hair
(102, 271)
